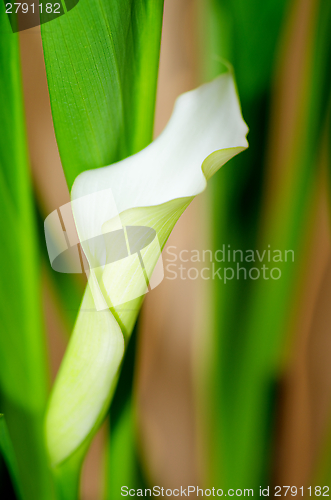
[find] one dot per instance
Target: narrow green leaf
(247, 35)
(322, 80)
(23, 374)
(7, 451)
(123, 461)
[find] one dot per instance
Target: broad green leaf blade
(23, 374)
(7, 451)
(102, 62)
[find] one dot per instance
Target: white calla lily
(151, 189)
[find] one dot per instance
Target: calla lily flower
(149, 189)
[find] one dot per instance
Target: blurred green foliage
(252, 317)
(23, 359)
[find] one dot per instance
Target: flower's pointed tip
(217, 159)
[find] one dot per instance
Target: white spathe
(151, 188)
(204, 121)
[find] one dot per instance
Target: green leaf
(123, 465)
(23, 374)
(7, 451)
(123, 460)
(247, 35)
(101, 63)
(322, 104)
